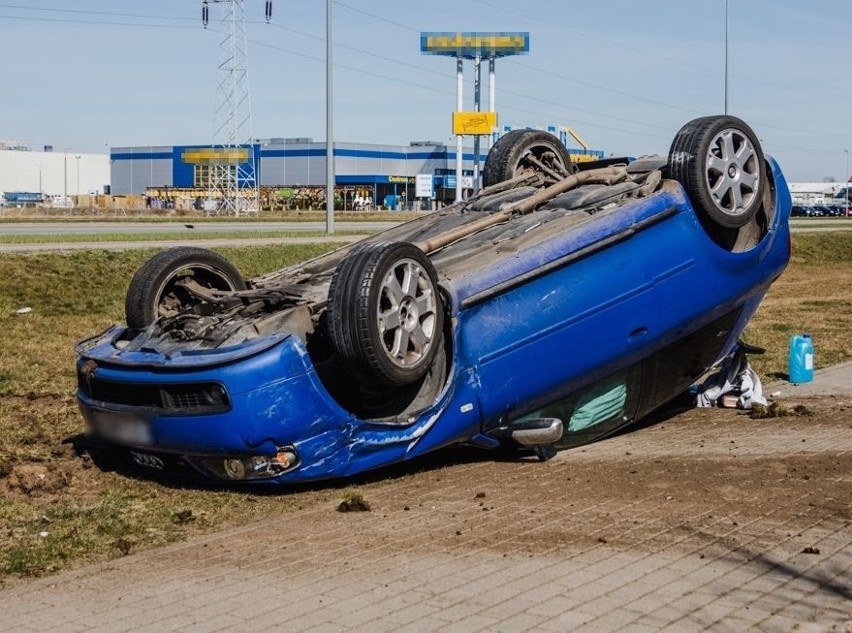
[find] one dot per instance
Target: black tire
(385, 316)
(153, 292)
(720, 163)
(342, 296)
(506, 158)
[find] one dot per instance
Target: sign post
(475, 46)
(424, 186)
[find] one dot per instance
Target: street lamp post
(329, 126)
(78, 174)
(726, 56)
(846, 178)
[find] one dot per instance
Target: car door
(547, 338)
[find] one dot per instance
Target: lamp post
(846, 178)
(726, 56)
(78, 173)
(329, 127)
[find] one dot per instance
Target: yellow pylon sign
(474, 123)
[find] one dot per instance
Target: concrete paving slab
(541, 558)
(830, 381)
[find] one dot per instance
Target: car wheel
(154, 291)
(385, 316)
(719, 162)
(509, 157)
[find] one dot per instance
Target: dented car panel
(618, 281)
(276, 399)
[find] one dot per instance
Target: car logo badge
(147, 460)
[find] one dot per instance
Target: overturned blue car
(555, 306)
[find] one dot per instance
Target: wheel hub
(409, 315)
(406, 315)
(732, 172)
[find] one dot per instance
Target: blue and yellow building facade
(378, 170)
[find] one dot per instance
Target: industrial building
(815, 193)
(380, 173)
(367, 175)
(52, 174)
(373, 171)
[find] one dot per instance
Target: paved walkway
(831, 381)
(530, 555)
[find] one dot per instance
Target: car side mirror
(537, 431)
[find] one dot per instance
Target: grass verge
(187, 235)
(814, 295)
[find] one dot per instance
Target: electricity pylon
(231, 165)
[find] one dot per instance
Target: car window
(597, 410)
(673, 369)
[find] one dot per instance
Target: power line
(608, 42)
(440, 74)
(589, 84)
(669, 60)
(377, 17)
(396, 61)
(363, 51)
(99, 13)
(550, 73)
(94, 22)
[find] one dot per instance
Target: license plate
(121, 428)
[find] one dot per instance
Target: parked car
(826, 211)
(553, 307)
(837, 210)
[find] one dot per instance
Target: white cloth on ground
(734, 376)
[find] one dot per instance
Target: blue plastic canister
(801, 358)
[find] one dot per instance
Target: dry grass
(57, 508)
(814, 295)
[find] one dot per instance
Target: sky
(625, 74)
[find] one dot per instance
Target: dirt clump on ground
(38, 479)
(777, 410)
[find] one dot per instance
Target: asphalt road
(179, 230)
(139, 228)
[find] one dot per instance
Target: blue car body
(639, 285)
